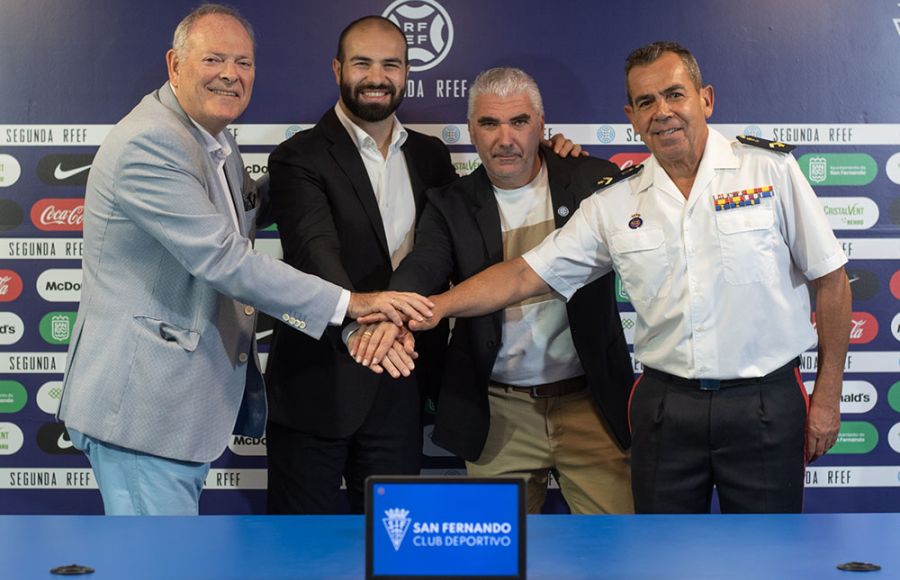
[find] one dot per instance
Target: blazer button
(285, 317)
(248, 310)
(301, 324)
(242, 357)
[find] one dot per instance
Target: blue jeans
(136, 484)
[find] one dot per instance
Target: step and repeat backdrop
(820, 74)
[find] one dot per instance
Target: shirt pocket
(642, 261)
(746, 242)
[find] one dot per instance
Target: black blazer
(458, 236)
(329, 222)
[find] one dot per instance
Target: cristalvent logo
(55, 215)
(10, 285)
(428, 30)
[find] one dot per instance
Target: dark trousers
(305, 470)
(747, 439)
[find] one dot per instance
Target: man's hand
(564, 147)
(394, 306)
(384, 346)
(822, 425)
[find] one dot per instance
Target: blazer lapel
(415, 179)
(564, 200)
(347, 158)
(487, 215)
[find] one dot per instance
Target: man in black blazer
(541, 386)
(345, 195)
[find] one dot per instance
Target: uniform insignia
(765, 144)
(636, 221)
(563, 211)
(743, 198)
(623, 174)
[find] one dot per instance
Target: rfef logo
(428, 30)
(65, 169)
(11, 328)
(60, 285)
(10, 285)
(56, 214)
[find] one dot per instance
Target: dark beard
(371, 113)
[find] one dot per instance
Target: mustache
(506, 151)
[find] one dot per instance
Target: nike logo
(263, 334)
(853, 279)
(61, 174)
(64, 442)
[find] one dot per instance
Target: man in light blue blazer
(162, 364)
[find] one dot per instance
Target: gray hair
(183, 30)
(504, 82)
(648, 54)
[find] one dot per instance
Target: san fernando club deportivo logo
(428, 30)
(396, 522)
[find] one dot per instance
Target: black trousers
(746, 439)
(305, 470)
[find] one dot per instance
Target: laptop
(445, 527)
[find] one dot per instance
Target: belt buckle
(710, 384)
(538, 393)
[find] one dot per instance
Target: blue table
(626, 547)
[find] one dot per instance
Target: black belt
(557, 389)
(715, 384)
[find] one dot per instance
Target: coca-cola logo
(863, 327)
(626, 160)
(58, 214)
(10, 285)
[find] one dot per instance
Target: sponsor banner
(248, 446)
(857, 362)
(56, 327)
(871, 249)
(621, 293)
(11, 328)
(65, 169)
(266, 134)
(850, 213)
(895, 284)
(894, 438)
(856, 396)
(12, 397)
(629, 321)
(227, 479)
(47, 478)
(428, 30)
(11, 439)
(465, 163)
(59, 285)
(838, 168)
(864, 284)
(10, 285)
(41, 249)
(256, 164)
(10, 170)
(892, 168)
(625, 160)
(54, 135)
(894, 396)
(11, 215)
(58, 214)
(53, 439)
(895, 326)
(32, 362)
(48, 397)
(853, 476)
(855, 438)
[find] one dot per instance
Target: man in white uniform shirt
(716, 242)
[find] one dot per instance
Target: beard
(370, 112)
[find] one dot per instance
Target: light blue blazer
(163, 355)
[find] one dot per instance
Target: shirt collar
(717, 154)
(363, 140)
(217, 147)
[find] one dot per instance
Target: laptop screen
(445, 527)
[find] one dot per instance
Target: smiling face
(669, 112)
(507, 133)
(372, 75)
(213, 78)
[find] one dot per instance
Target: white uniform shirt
(390, 182)
(718, 294)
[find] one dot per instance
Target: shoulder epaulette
(765, 144)
(623, 174)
